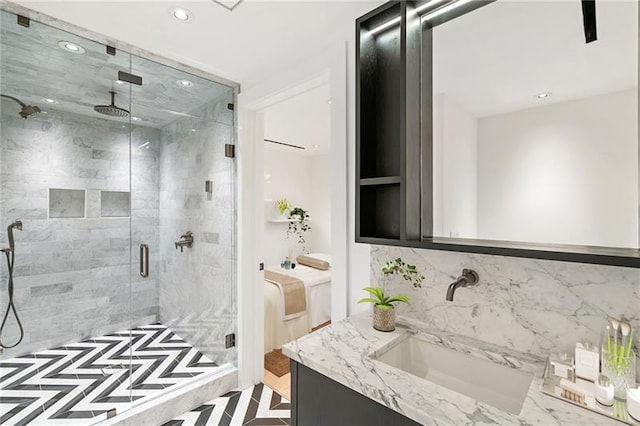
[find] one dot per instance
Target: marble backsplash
(533, 306)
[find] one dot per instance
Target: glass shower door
(120, 202)
(183, 226)
(64, 167)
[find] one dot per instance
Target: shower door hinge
(230, 106)
(229, 150)
(230, 340)
(111, 50)
(24, 21)
(130, 78)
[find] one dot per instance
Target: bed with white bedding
(278, 331)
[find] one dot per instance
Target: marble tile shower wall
(534, 306)
(72, 274)
(197, 287)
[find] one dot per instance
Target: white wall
(455, 174)
(564, 173)
(321, 202)
(304, 181)
(350, 268)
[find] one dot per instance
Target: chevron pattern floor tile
(83, 382)
(256, 406)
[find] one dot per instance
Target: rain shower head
(26, 110)
(111, 110)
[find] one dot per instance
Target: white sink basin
(503, 387)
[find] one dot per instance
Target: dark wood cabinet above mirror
(478, 130)
(388, 107)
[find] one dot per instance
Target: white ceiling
(34, 67)
(253, 42)
(304, 120)
(497, 58)
(493, 60)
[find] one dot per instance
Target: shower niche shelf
(115, 203)
(66, 203)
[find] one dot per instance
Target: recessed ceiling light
(329, 101)
(193, 130)
(543, 95)
(50, 101)
(136, 118)
(71, 47)
(119, 81)
(316, 145)
(182, 14)
(184, 83)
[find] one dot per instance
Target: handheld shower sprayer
(17, 224)
(10, 254)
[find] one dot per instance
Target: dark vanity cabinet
(388, 124)
(319, 401)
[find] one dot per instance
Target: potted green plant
(384, 312)
(283, 206)
(299, 225)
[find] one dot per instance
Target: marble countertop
(343, 352)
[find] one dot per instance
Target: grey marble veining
(533, 306)
(197, 286)
(343, 352)
(72, 274)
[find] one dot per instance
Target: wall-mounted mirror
(535, 131)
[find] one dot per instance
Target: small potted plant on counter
(384, 312)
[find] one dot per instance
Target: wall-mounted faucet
(468, 277)
(186, 240)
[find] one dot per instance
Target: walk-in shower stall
(117, 227)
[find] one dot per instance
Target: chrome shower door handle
(144, 260)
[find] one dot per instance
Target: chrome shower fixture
(26, 110)
(186, 240)
(111, 110)
(16, 224)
